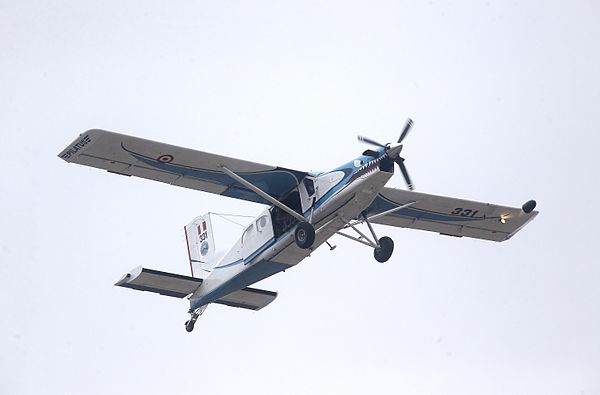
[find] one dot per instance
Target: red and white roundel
(165, 158)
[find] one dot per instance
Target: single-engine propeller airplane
(304, 211)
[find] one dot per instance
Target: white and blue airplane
(304, 211)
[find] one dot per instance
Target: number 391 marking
(464, 212)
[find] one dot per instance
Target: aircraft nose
(394, 150)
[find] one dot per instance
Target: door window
(310, 186)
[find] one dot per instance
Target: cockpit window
(310, 186)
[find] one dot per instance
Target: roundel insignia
(204, 248)
(165, 158)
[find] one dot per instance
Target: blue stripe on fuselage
(253, 255)
(349, 171)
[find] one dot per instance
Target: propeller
(393, 150)
(407, 127)
(367, 140)
(400, 162)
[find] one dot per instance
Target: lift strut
(262, 194)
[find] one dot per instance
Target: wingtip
(529, 206)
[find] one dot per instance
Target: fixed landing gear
(189, 324)
(384, 249)
(304, 235)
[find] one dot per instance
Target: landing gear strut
(382, 250)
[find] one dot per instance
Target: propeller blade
(407, 126)
(367, 140)
(400, 162)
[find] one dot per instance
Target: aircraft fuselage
(333, 199)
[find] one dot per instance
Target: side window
(248, 233)
(310, 186)
(261, 223)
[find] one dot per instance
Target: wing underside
(132, 156)
(448, 216)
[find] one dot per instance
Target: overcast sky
(505, 102)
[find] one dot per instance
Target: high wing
(133, 156)
(448, 216)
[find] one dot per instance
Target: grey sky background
(505, 103)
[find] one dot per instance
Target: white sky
(505, 102)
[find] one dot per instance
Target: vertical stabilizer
(201, 246)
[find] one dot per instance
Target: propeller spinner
(393, 150)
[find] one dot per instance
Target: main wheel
(384, 251)
(304, 235)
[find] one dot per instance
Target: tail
(201, 246)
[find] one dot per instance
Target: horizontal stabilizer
(168, 284)
(248, 298)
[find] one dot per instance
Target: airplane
(304, 209)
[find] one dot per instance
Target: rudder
(200, 245)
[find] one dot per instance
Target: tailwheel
(304, 235)
(384, 249)
(189, 325)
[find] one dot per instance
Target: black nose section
(386, 164)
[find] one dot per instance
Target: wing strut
(372, 217)
(263, 194)
(362, 237)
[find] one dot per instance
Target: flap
(168, 284)
(248, 298)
